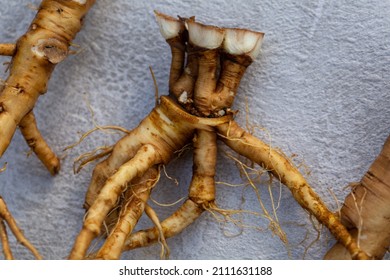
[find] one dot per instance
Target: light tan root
(131, 210)
(5, 216)
(173, 225)
(168, 128)
(81, 161)
(122, 152)
(366, 210)
(29, 129)
(34, 57)
(201, 194)
(257, 151)
(4, 241)
(146, 157)
(161, 238)
(96, 128)
(7, 49)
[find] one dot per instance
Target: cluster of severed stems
(208, 63)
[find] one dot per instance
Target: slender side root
(270, 159)
(201, 194)
(2, 169)
(7, 217)
(96, 128)
(156, 221)
(87, 158)
(122, 152)
(7, 49)
(146, 157)
(171, 226)
(28, 127)
(132, 210)
(4, 241)
(271, 217)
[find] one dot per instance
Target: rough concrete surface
(319, 91)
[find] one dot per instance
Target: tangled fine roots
(253, 177)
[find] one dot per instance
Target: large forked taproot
(208, 63)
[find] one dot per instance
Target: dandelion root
(34, 57)
(6, 217)
(208, 63)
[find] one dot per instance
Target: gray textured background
(319, 90)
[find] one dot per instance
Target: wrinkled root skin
(34, 57)
(366, 210)
(232, 135)
(167, 129)
(207, 65)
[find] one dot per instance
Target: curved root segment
(259, 152)
(28, 128)
(146, 157)
(366, 210)
(133, 206)
(7, 49)
(208, 63)
(171, 226)
(34, 56)
(201, 194)
(167, 129)
(6, 218)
